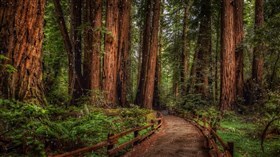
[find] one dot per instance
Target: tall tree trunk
(68, 46)
(124, 51)
(156, 101)
(76, 39)
(258, 61)
(151, 71)
(185, 50)
(204, 50)
(145, 93)
(145, 54)
(228, 66)
(239, 35)
(274, 72)
(92, 46)
(21, 38)
(191, 81)
(216, 77)
(111, 52)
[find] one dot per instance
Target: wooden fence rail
(213, 139)
(210, 133)
(113, 139)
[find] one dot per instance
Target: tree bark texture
(21, 38)
(151, 71)
(145, 54)
(258, 61)
(239, 35)
(111, 52)
(228, 66)
(124, 51)
(147, 90)
(92, 45)
(156, 101)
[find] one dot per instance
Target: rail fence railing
(112, 141)
(218, 148)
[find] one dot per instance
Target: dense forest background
(71, 68)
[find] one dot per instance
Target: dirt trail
(178, 138)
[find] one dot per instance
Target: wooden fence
(213, 138)
(113, 139)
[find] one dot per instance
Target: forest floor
(177, 138)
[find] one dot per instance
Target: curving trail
(178, 138)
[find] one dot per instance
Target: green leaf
(10, 68)
(2, 57)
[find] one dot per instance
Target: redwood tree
(111, 52)
(76, 39)
(258, 61)
(239, 35)
(184, 69)
(145, 53)
(204, 50)
(228, 66)
(21, 37)
(146, 94)
(123, 50)
(92, 45)
(72, 45)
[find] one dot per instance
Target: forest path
(178, 138)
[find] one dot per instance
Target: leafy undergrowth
(245, 132)
(30, 130)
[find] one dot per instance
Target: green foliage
(272, 106)
(10, 69)
(94, 98)
(245, 132)
(7, 67)
(55, 61)
(194, 102)
(36, 131)
(134, 116)
(2, 57)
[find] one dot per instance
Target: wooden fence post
(231, 148)
(111, 142)
(136, 134)
(153, 123)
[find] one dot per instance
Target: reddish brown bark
(146, 92)
(239, 35)
(145, 54)
(21, 38)
(149, 89)
(156, 101)
(258, 61)
(228, 66)
(111, 52)
(123, 51)
(92, 45)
